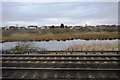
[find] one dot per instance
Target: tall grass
(46, 35)
(94, 47)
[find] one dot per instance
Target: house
(12, 28)
(4, 28)
(22, 28)
(77, 27)
(70, 27)
(45, 27)
(32, 27)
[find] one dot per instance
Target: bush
(25, 47)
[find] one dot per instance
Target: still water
(59, 45)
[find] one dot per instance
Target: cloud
(60, 1)
(55, 13)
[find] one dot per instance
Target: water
(59, 45)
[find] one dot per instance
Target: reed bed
(61, 36)
(94, 47)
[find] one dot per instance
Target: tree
(62, 25)
(52, 26)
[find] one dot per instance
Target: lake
(59, 45)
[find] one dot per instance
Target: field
(55, 34)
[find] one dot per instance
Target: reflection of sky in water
(60, 45)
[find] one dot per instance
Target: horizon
(59, 25)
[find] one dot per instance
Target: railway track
(60, 66)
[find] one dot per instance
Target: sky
(55, 13)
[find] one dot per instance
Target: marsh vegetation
(24, 47)
(57, 34)
(94, 47)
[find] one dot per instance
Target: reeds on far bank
(94, 47)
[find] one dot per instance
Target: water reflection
(60, 45)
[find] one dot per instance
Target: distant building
(45, 27)
(12, 28)
(77, 27)
(70, 27)
(22, 28)
(4, 28)
(32, 27)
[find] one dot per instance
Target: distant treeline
(62, 26)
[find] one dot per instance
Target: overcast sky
(55, 13)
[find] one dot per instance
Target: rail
(60, 59)
(59, 69)
(99, 56)
(60, 55)
(60, 52)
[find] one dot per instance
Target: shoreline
(57, 40)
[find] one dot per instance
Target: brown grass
(94, 47)
(61, 36)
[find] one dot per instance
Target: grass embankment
(46, 35)
(94, 47)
